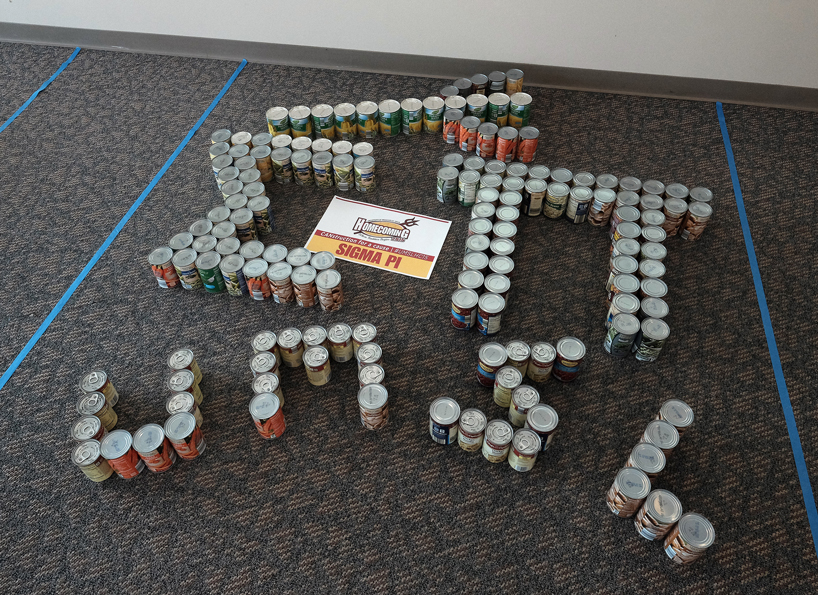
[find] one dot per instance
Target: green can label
(277, 127)
(212, 279)
(498, 114)
(412, 121)
(324, 126)
(519, 115)
(391, 122)
(301, 127)
(477, 112)
(433, 120)
(368, 125)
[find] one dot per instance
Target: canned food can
(556, 200)
(486, 145)
(651, 339)
(302, 168)
(476, 261)
(183, 402)
(329, 290)
(412, 111)
(361, 150)
(625, 247)
(369, 353)
(316, 362)
(523, 398)
(117, 448)
(507, 139)
(513, 184)
(498, 109)
(268, 415)
(464, 309)
(579, 202)
(184, 263)
(514, 81)
(479, 83)
(231, 267)
(625, 198)
(630, 183)
(497, 168)
(391, 117)
(183, 359)
(266, 341)
(477, 106)
(497, 440)
(221, 135)
(321, 145)
(648, 458)
(490, 308)
(448, 91)
(570, 353)
(698, 215)
(504, 229)
(97, 381)
(368, 118)
(463, 86)
(653, 308)
(480, 226)
(322, 169)
(371, 374)
(184, 435)
(323, 121)
(339, 336)
(468, 133)
(303, 143)
(677, 413)
(511, 199)
(87, 455)
(208, 267)
(689, 538)
(651, 287)
(282, 165)
(489, 196)
(657, 515)
(444, 415)
(470, 280)
(346, 121)
(451, 126)
(303, 280)
(502, 265)
(525, 447)
(602, 207)
(502, 246)
(321, 261)
(217, 149)
(433, 108)
(477, 164)
(342, 167)
(651, 268)
(527, 145)
(622, 303)
(519, 110)
(652, 233)
(621, 265)
(181, 241)
(621, 334)
(298, 257)
(184, 380)
(88, 427)
(519, 353)
(651, 218)
(471, 429)
(264, 362)
(234, 202)
(533, 197)
(292, 347)
(542, 420)
(676, 190)
(228, 245)
(262, 216)
(275, 253)
(490, 358)
(238, 152)
(543, 356)
(483, 209)
(255, 276)
(457, 102)
(217, 215)
(626, 229)
(373, 403)
(584, 178)
(300, 121)
(245, 224)
(447, 185)
(161, 261)
(365, 174)
(364, 332)
(268, 382)
(467, 185)
(662, 435)
(628, 492)
(506, 381)
(278, 121)
(700, 194)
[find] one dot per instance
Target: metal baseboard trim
(579, 79)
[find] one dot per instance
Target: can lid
(503, 246)
(508, 133)
(218, 214)
(371, 374)
(303, 274)
(500, 98)
(256, 267)
(314, 334)
(521, 99)
(479, 225)
(277, 113)
(411, 104)
(558, 189)
(473, 421)
(476, 261)
(372, 396)
(542, 418)
(86, 452)
(504, 229)
(662, 434)
(462, 83)
(364, 162)
(185, 257)
(477, 100)
(470, 279)
(339, 332)
(653, 187)
(474, 163)
(499, 432)
(501, 264)
(491, 303)
(581, 193)
(181, 240)
(369, 353)
(607, 181)
(700, 194)
(116, 444)
(630, 183)
(507, 213)
(301, 143)
(676, 190)
(465, 298)
(648, 457)
(655, 307)
(241, 216)
(487, 128)
(604, 195)
(91, 403)
(700, 209)
(278, 271)
(651, 202)
(344, 109)
(626, 283)
(470, 123)
(160, 256)
(180, 358)
(627, 324)
(342, 161)
(676, 206)
(289, 338)
(653, 233)
(516, 169)
(316, 356)
(231, 188)
(453, 160)
(238, 151)
(530, 133)
(515, 74)
(497, 76)
(493, 166)
(364, 332)
(228, 246)
(263, 362)
(626, 303)
(477, 242)
(633, 483)
(433, 103)
(322, 110)
(527, 442)
(281, 154)
(653, 287)
(629, 229)
(449, 91)
(571, 348)
(322, 158)
(245, 163)
(697, 532)
(584, 178)
(252, 249)
(321, 145)
(227, 174)
(562, 175)
(208, 260)
(663, 506)
(262, 138)
(628, 213)
(518, 350)
(497, 283)
(625, 264)
(221, 135)
(85, 427)
(201, 227)
(253, 190)
(235, 201)
(181, 380)
(299, 112)
(264, 405)
(543, 352)
(389, 106)
(298, 256)
(302, 156)
(677, 412)
(508, 377)
(651, 217)
(177, 402)
(492, 182)
(492, 354)
(652, 268)
(224, 229)
(275, 253)
(266, 382)
(328, 279)
(444, 410)
(515, 184)
(219, 148)
(626, 197)
(525, 396)
(627, 246)
(511, 198)
(264, 341)
(653, 328)
(93, 381)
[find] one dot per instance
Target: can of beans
(525, 447)
(368, 118)
(342, 167)
(523, 398)
(507, 139)
(621, 334)
(447, 185)
(490, 308)
(278, 120)
(264, 363)
(181, 381)
(652, 338)
(97, 405)
(506, 381)
(88, 427)
(471, 428)
(268, 383)
(622, 303)
(497, 440)
(339, 336)
(412, 111)
(373, 403)
(677, 413)
(183, 402)
(468, 133)
(698, 215)
(542, 420)
(87, 455)
(570, 353)
(602, 207)
(364, 332)
(486, 145)
(433, 108)
(556, 200)
(464, 309)
(499, 284)
(365, 174)
(490, 358)
(255, 277)
(303, 280)
(662, 435)
(689, 538)
(98, 381)
(316, 362)
(162, 267)
(628, 492)
(281, 287)
(451, 126)
(371, 374)
(117, 447)
(322, 168)
(533, 197)
(648, 458)
(467, 185)
(444, 415)
(470, 280)
(660, 511)
(268, 415)
(329, 290)
(391, 117)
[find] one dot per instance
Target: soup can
(266, 341)
(506, 381)
(323, 120)
(322, 169)
(161, 261)
(477, 106)
(543, 356)
(542, 420)
(677, 413)
(281, 287)
(523, 398)
(514, 81)
(267, 415)
(268, 383)
(316, 362)
(264, 362)
(255, 277)
(291, 347)
(412, 111)
(622, 303)
(527, 145)
(468, 133)
(490, 308)
(519, 110)
(184, 435)
(498, 109)
(282, 165)
(660, 511)
(692, 227)
(346, 121)
(621, 334)
(570, 353)
(502, 265)
(476, 261)
(579, 202)
(302, 168)
(497, 440)
(651, 340)
(451, 126)
(368, 119)
(339, 336)
(433, 108)
(447, 185)
(300, 121)
(648, 458)
(369, 353)
(117, 448)
(183, 359)
(467, 185)
(364, 332)
(371, 374)
(444, 415)
(88, 427)
(486, 146)
(365, 174)
(471, 429)
(525, 447)
(391, 117)
(303, 280)
(278, 121)
(97, 405)
(498, 168)
(373, 404)
(98, 381)
(329, 290)
(533, 197)
(490, 358)
(87, 455)
(628, 492)
(662, 435)
(507, 139)
(602, 207)
(184, 381)
(342, 167)
(464, 309)
(689, 538)
(183, 402)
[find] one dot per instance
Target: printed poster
(375, 236)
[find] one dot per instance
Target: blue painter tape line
(37, 92)
(783, 393)
(112, 236)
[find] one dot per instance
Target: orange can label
(128, 465)
(272, 427)
(506, 149)
(160, 459)
(527, 149)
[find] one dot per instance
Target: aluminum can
(502, 265)
(268, 382)
(653, 187)
(533, 197)
(698, 215)
(470, 280)
(463, 86)
(543, 356)
(677, 413)
(622, 303)
(300, 122)
(630, 183)
(264, 362)
(451, 126)
(542, 420)
(490, 308)
(444, 415)
(579, 202)
(391, 117)
(468, 183)
(447, 185)
(373, 403)
(88, 427)
(527, 145)
(275, 253)
(278, 121)
(282, 165)
(181, 241)
(662, 435)
(323, 121)
(700, 194)
(281, 287)
(184, 381)
(369, 353)
(486, 146)
(183, 359)
(651, 287)
(477, 106)
(507, 139)
(506, 380)
(371, 374)
(457, 102)
(98, 381)
(602, 207)
(464, 309)
(471, 429)
(282, 141)
(291, 347)
(317, 364)
(625, 198)
(117, 448)
(362, 149)
(525, 447)
(498, 109)
(476, 261)
(514, 81)
(497, 440)
(302, 168)
(183, 402)
(88, 457)
(342, 168)
(218, 149)
(660, 511)
(340, 342)
(231, 267)
(648, 458)
(321, 145)
(556, 200)
(368, 119)
(523, 398)
(628, 492)
(519, 110)
(490, 358)
(484, 210)
(267, 415)
(412, 112)
(621, 334)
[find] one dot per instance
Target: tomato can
(88, 427)
(117, 448)
(658, 514)
(689, 538)
(497, 440)
(373, 404)
(444, 415)
(570, 353)
(468, 133)
(183, 402)
(161, 261)
(651, 339)
(542, 420)
(451, 126)
(490, 358)
(317, 364)
(278, 121)
(391, 117)
(677, 413)
(628, 492)
(185, 436)
(268, 415)
(506, 381)
(471, 429)
(96, 404)
(255, 276)
(87, 455)
(412, 111)
(371, 374)
(525, 447)
(368, 120)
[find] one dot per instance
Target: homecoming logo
(384, 229)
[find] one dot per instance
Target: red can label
(165, 275)
(128, 465)
(527, 149)
(272, 427)
(506, 149)
(160, 459)
(192, 446)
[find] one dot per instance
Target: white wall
(741, 40)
